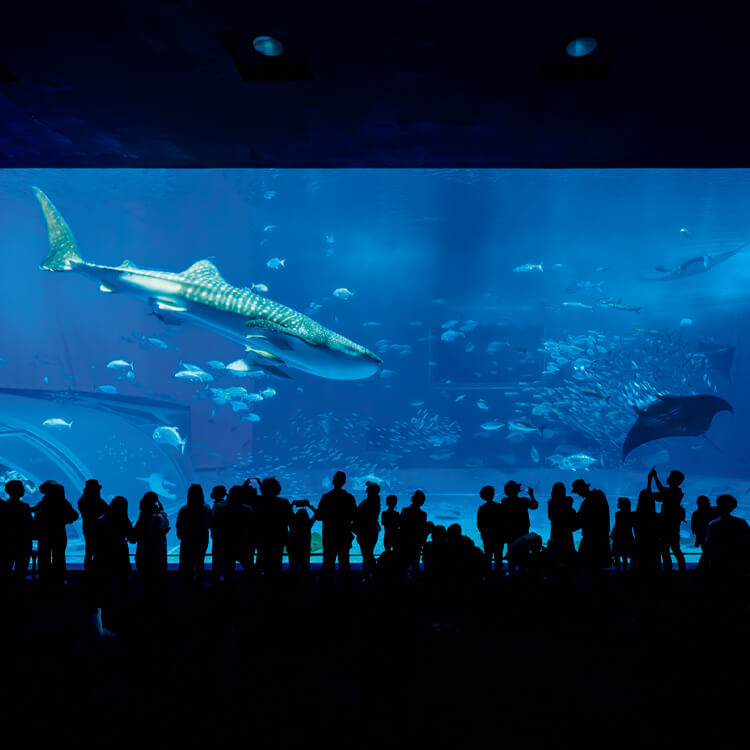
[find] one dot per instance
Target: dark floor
(579, 663)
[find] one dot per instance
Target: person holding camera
(672, 515)
(151, 544)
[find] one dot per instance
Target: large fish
(673, 416)
(699, 264)
(271, 331)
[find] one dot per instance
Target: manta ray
(673, 416)
(273, 333)
(699, 264)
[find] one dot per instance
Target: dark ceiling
(411, 83)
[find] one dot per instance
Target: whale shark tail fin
(63, 251)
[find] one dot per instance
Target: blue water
(428, 257)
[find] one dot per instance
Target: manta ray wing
(674, 416)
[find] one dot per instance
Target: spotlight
(583, 45)
(271, 47)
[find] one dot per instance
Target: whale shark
(271, 333)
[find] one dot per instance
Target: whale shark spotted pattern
(269, 330)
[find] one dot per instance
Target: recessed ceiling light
(268, 46)
(581, 46)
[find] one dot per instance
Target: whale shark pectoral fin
(104, 287)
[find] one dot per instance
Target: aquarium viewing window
(434, 329)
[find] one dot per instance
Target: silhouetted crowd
(253, 526)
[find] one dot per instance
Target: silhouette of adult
(435, 555)
(623, 541)
(516, 511)
(562, 518)
(111, 555)
(727, 546)
(592, 519)
(367, 528)
(337, 510)
(299, 545)
(277, 515)
(413, 531)
(91, 506)
(491, 528)
(703, 514)
(151, 544)
(194, 521)
(672, 515)
(15, 531)
(647, 542)
(53, 513)
(464, 560)
(390, 519)
(232, 534)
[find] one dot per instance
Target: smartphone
(525, 488)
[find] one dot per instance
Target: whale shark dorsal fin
(128, 264)
(203, 270)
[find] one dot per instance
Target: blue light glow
(268, 46)
(582, 46)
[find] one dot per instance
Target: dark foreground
(506, 662)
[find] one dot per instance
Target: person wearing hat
(672, 515)
(91, 506)
(515, 510)
(727, 547)
(593, 520)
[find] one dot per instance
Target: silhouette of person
(110, 554)
(623, 540)
(91, 506)
(390, 519)
(16, 531)
(647, 535)
(219, 496)
(413, 532)
(277, 516)
(367, 528)
(672, 515)
(562, 518)
(727, 545)
(435, 554)
(232, 534)
(337, 510)
(702, 516)
(464, 559)
(194, 520)
(516, 511)
(524, 552)
(592, 519)
(491, 528)
(53, 513)
(150, 533)
(300, 537)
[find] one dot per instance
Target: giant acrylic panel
(424, 329)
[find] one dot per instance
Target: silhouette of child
(623, 540)
(299, 545)
(390, 520)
